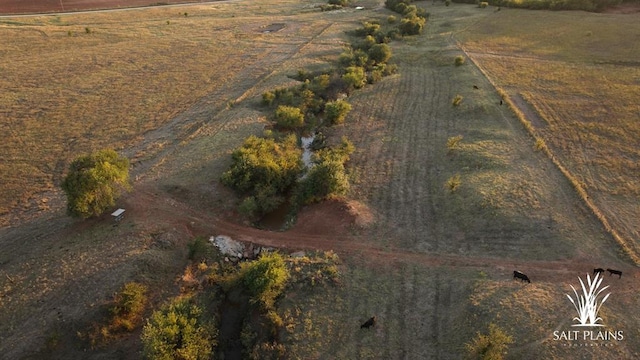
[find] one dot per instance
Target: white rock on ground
(227, 245)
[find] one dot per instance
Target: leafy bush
(126, 311)
(265, 169)
(392, 19)
(178, 332)
(339, 2)
(459, 60)
(289, 117)
(130, 302)
(336, 111)
(489, 347)
(375, 76)
(249, 207)
(94, 182)
(405, 8)
(411, 25)
(320, 83)
(354, 77)
(328, 175)
(265, 278)
(367, 43)
(325, 179)
(368, 28)
(268, 98)
(379, 53)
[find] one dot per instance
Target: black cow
(521, 276)
(598, 271)
(369, 323)
(615, 272)
(476, 87)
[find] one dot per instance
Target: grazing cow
(476, 87)
(615, 272)
(598, 271)
(521, 276)
(369, 323)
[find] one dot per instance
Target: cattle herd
(519, 275)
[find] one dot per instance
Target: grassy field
(579, 77)
(85, 83)
(435, 266)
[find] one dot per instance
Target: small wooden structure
(118, 214)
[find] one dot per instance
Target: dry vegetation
(73, 91)
(576, 79)
(433, 265)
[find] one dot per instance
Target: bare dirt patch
(333, 217)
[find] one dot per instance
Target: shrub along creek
(283, 170)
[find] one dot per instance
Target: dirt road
(62, 6)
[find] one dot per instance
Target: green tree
(265, 278)
(178, 332)
(328, 176)
(380, 53)
(289, 117)
(489, 347)
(411, 25)
(354, 77)
(264, 169)
(95, 182)
(336, 111)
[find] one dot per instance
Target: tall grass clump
(491, 346)
(459, 60)
(126, 310)
(199, 249)
(453, 142)
(453, 183)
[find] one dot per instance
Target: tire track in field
(397, 149)
(408, 203)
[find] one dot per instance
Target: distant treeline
(586, 5)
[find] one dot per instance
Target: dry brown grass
(575, 78)
(124, 84)
(513, 207)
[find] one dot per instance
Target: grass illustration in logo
(588, 303)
